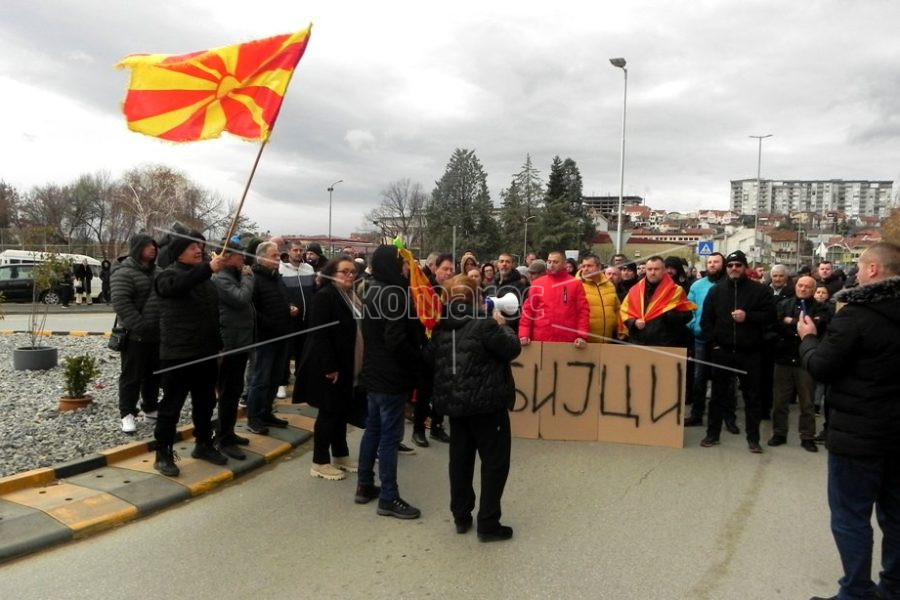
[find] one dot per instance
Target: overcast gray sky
(388, 90)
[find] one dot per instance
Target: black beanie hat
(736, 256)
(173, 244)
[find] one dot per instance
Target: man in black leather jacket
(737, 313)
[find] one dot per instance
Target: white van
(30, 257)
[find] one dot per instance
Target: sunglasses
(735, 265)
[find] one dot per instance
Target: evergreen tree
(512, 217)
(521, 200)
(564, 223)
(529, 182)
(461, 198)
(585, 229)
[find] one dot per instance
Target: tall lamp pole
(620, 63)
(330, 190)
(760, 138)
(525, 245)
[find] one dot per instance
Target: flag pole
(237, 213)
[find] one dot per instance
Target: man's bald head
(805, 287)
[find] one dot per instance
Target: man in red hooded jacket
(556, 309)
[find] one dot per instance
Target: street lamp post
(620, 63)
(525, 245)
(758, 253)
(330, 190)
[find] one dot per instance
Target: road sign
(705, 248)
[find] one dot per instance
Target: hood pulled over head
(137, 243)
(386, 265)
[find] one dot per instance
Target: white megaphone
(508, 304)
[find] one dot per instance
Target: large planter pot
(67, 404)
(41, 358)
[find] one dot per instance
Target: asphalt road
(80, 318)
(591, 520)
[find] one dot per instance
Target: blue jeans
(267, 374)
(384, 430)
(855, 484)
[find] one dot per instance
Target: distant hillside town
(789, 222)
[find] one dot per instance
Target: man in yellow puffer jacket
(602, 299)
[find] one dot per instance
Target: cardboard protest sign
(605, 392)
(524, 422)
(567, 394)
(641, 395)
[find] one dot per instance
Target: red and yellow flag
(427, 301)
(668, 296)
(197, 96)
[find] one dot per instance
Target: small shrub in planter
(78, 373)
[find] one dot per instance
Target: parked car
(17, 283)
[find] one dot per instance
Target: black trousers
(329, 433)
(749, 362)
(702, 376)
(139, 361)
(423, 407)
(198, 380)
(489, 436)
(230, 386)
(65, 294)
(766, 383)
(295, 346)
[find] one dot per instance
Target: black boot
(206, 451)
(165, 461)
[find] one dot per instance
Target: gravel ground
(33, 433)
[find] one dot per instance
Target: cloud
(391, 90)
(360, 140)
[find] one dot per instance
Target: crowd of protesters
(230, 324)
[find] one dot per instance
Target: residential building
(856, 198)
(784, 245)
(754, 245)
(609, 205)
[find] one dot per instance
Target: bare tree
(9, 205)
(45, 207)
(401, 212)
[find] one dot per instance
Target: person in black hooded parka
(392, 364)
(137, 309)
(473, 384)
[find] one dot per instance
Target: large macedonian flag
(667, 296)
(197, 96)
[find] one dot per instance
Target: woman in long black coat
(331, 363)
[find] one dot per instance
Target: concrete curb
(49, 506)
(46, 333)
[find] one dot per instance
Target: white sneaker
(281, 393)
(326, 471)
(128, 425)
(151, 416)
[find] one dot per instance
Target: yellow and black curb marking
(49, 333)
(48, 506)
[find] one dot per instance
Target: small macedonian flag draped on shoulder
(197, 96)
